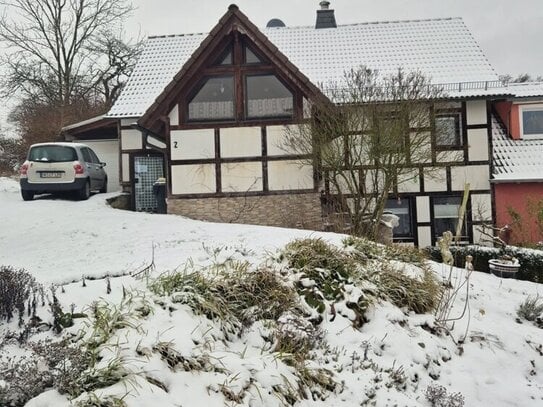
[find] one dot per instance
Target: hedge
(531, 260)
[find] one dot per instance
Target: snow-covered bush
(376, 251)
(531, 260)
(331, 278)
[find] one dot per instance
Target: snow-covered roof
(442, 49)
(526, 89)
(515, 160)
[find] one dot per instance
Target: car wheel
(84, 192)
(27, 195)
(103, 190)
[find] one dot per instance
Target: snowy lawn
(390, 361)
(61, 240)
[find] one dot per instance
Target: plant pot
(503, 268)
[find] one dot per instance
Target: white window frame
(522, 109)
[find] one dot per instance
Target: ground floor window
(446, 210)
(401, 207)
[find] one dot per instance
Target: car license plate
(50, 174)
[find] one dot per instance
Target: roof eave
(515, 180)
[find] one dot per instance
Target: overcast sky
(509, 32)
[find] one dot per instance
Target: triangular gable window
(239, 85)
(250, 57)
(226, 58)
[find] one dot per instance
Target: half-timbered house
(208, 112)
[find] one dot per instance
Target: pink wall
(509, 114)
(518, 196)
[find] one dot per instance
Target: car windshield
(52, 154)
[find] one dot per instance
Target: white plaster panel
(476, 175)
(192, 144)
(285, 175)
(174, 116)
(193, 179)
(125, 162)
(423, 209)
(435, 180)
(421, 147)
(129, 121)
(478, 237)
(478, 145)
(425, 236)
(276, 137)
(131, 139)
(241, 177)
(374, 181)
(450, 156)
(343, 180)
(307, 107)
(409, 182)
(241, 142)
(476, 112)
(481, 207)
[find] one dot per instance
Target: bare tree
(60, 51)
(370, 140)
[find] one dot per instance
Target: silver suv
(60, 167)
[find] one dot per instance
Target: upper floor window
(267, 97)
(448, 128)
(531, 123)
(214, 100)
(239, 84)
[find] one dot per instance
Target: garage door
(108, 152)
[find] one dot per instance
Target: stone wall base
(302, 211)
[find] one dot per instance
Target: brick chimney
(325, 16)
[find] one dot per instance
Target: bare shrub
(437, 395)
(17, 287)
(52, 364)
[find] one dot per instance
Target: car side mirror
(102, 165)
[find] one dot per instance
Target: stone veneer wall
(290, 210)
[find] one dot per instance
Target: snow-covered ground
(61, 240)
(390, 361)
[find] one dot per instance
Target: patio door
(146, 170)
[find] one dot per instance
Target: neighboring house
(209, 111)
(518, 161)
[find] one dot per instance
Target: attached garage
(101, 135)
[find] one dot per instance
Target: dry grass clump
(532, 310)
(233, 294)
(418, 295)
